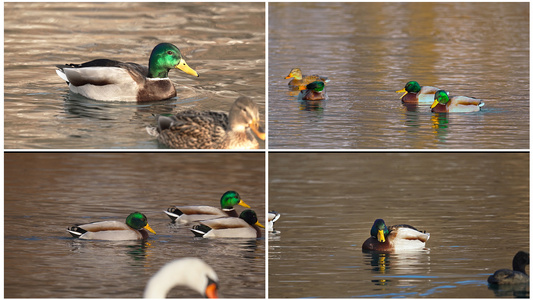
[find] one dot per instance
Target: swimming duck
(111, 80)
(396, 237)
(245, 226)
(190, 272)
(313, 91)
(195, 213)
(133, 229)
(415, 94)
(211, 130)
(272, 217)
(303, 80)
(444, 104)
(515, 276)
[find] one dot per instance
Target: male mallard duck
(245, 226)
(133, 229)
(515, 276)
(195, 213)
(396, 237)
(190, 272)
(443, 103)
(211, 130)
(272, 217)
(414, 93)
(303, 80)
(111, 80)
(313, 91)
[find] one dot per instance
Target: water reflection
(516, 290)
(312, 105)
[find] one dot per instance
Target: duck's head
(230, 199)
(295, 73)
(245, 114)
(190, 272)
(441, 97)
(379, 230)
(316, 86)
(520, 261)
(138, 221)
(410, 87)
(164, 57)
(250, 217)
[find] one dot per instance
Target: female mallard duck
(195, 213)
(415, 94)
(111, 80)
(272, 217)
(313, 91)
(300, 80)
(212, 130)
(515, 276)
(133, 229)
(245, 226)
(190, 272)
(396, 237)
(444, 104)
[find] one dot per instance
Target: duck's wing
(463, 100)
(225, 228)
(101, 72)
(408, 232)
(194, 213)
(103, 226)
(194, 130)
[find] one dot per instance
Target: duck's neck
(157, 72)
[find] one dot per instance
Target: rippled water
(223, 42)
(370, 50)
(474, 205)
(47, 192)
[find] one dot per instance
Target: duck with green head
(210, 129)
(313, 91)
(245, 226)
(300, 80)
(135, 228)
(517, 275)
(394, 238)
(195, 213)
(413, 93)
(111, 80)
(446, 104)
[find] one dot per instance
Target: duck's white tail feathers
(61, 74)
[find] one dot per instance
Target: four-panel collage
(266, 150)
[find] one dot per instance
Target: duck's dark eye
(169, 52)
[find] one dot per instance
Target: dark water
(370, 50)
(474, 205)
(223, 42)
(46, 192)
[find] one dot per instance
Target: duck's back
(506, 277)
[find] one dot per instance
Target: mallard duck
(313, 91)
(272, 217)
(245, 226)
(133, 229)
(515, 276)
(195, 213)
(413, 93)
(189, 272)
(396, 237)
(303, 80)
(211, 130)
(111, 80)
(444, 104)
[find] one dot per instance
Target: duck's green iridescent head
(164, 57)
(317, 86)
(440, 97)
(410, 87)
(379, 230)
(138, 221)
(230, 199)
(250, 217)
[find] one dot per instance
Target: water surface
(370, 50)
(47, 192)
(474, 205)
(223, 42)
